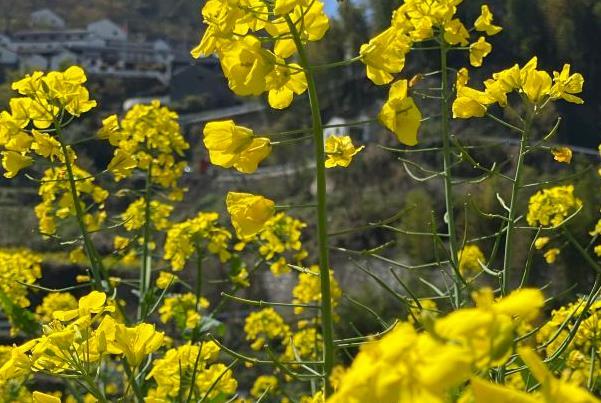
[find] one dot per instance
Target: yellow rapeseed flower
(551, 255)
(235, 146)
(562, 154)
(478, 51)
(137, 342)
(249, 213)
(484, 22)
(565, 85)
(400, 114)
(340, 151)
(550, 207)
(470, 258)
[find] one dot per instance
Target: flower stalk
(146, 264)
(322, 226)
(96, 265)
(447, 163)
(510, 229)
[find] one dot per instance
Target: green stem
(198, 289)
(145, 267)
(513, 206)
(447, 163)
(132, 381)
(322, 225)
(96, 266)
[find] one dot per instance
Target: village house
(102, 48)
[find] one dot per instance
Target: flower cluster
(251, 68)
(57, 199)
(577, 355)
(536, 86)
(18, 267)
(265, 325)
(264, 385)
(470, 260)
(134, 217)
(77, 340)
(419, 21)
(280, 235)
(550, 207)
(148, 138)
(409, 365)
(308, 289)
(190, 370)
(55, 301)
(30, 128)
(198, 233)
(304, 344)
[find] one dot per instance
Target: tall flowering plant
(468, 342)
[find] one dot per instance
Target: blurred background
(137, 50)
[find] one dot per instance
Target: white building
(45, 18)
(102, 48)
(107, 30)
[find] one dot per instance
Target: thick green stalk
(96, 266)
(517, 181)
(146, 267)
(448, 180)
(322, 225)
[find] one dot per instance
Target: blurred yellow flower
(249, 212)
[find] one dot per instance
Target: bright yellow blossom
(565, 85)
(283, 82)
(173, 373)
(285, 6)
(235, 146)
(340, 151)
(249, 213)
(93, 303)
(384, 55)
(246, 65)
(400, 114)
(478, 51)
(13, 162)
(456, 33)
(484, 22)
(134, 216)
(183, 309)
(18, 268)
(310, 22)
(137, 342)
(185, 238)
(550, 207)
(122, 164)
